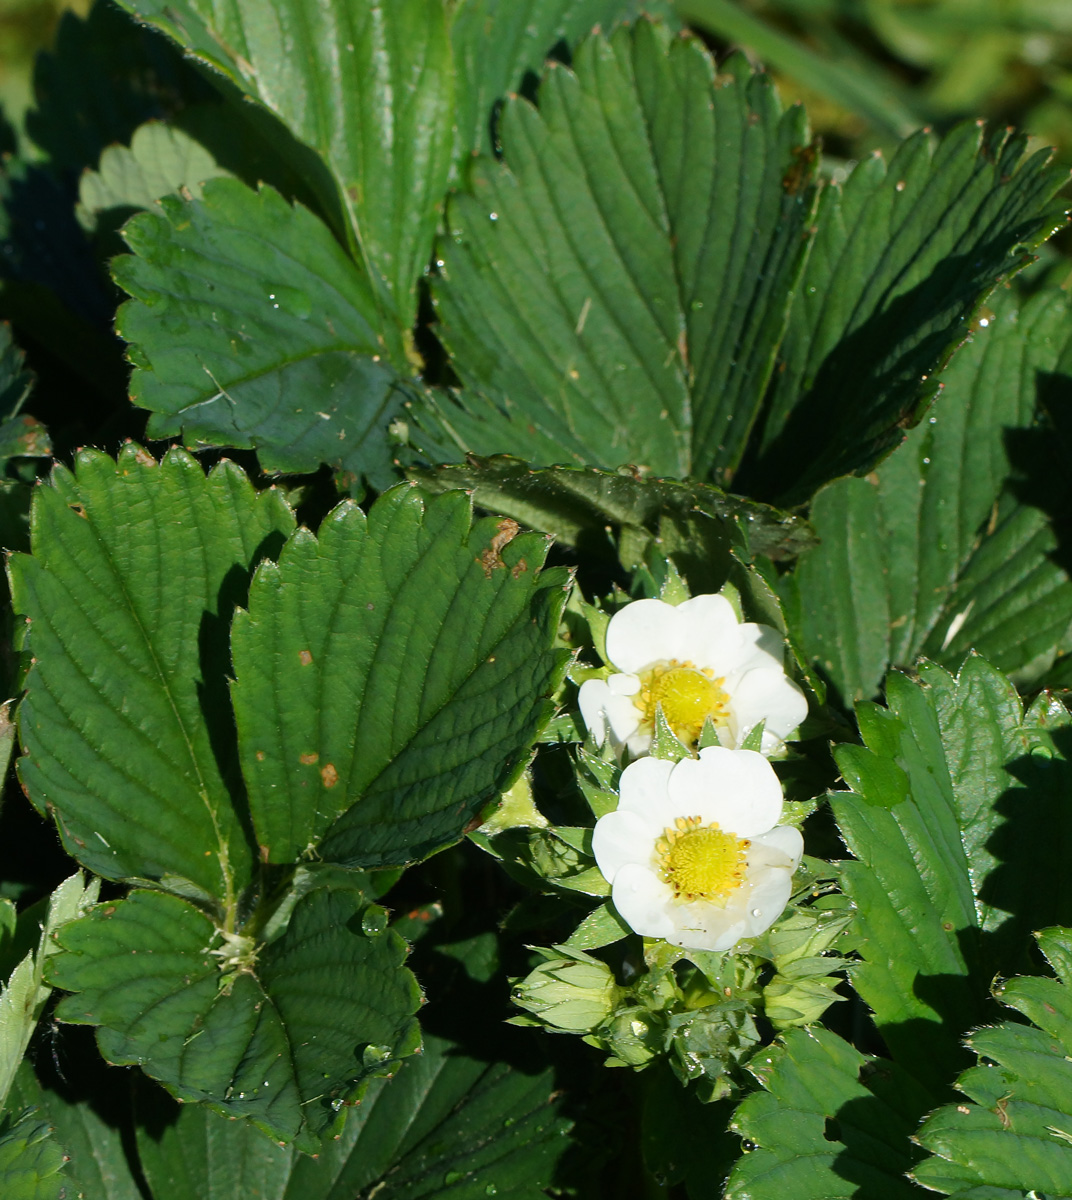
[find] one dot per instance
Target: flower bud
(635, 1037)
(574, 993)
(789, 1002)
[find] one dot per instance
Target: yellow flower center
(701, 862)
(687, 694)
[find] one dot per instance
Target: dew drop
(374, 920)
(493, 216)
(453, 1177)
(757, 912)
(491, 1190)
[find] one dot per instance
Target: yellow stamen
(687, 694)
(701, 862)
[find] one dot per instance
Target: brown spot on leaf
(78, 508)
(491, 558)
(309, 759)
(260, 756)
(306, 657)
(520, 567)
(329, 775)
(800, 173)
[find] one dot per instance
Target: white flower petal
(642, 633)
(644, 790)
(764, 647)
(605, 706)
(620, 838)
(769, 895)
(623, 685)
(592, 697)
(781, 847)
(736, 788)
(643, 901)
(766, 694)
(711, 635)
(707, 927)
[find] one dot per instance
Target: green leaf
(496, 43)
(31, 1161)
(98, 1167)
(1016, 1132)
(575, 504)
(284, 1036)
(252, 327)
(951, 819)
(830, 1124)
(135, 571)
(447, 1125)
(615, 290)
(934, 554)
(24, 993)
(160, 160)
(392, 677)
(21, 436)
(368, 86)
(903, 256)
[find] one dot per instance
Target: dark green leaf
(614, 291)
(1017, 1131)
(498, 42)
(21, 436)
(98, 1165)
(103, 78)
(830, 1124)
(447, 1125)
(135, 571)
(928, 555)
(904, 255)
(31, 1160)
(391, 678)
(367, 86)
(951, 818)
(284, 1038)
(574, 504)
(252, 327)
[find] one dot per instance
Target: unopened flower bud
(789, 1002)
(635, 1037)
(574, 993)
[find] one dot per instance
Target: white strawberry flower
(695, 660)
(694, 853)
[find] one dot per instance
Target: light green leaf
(614, 291)
(951, 818)
(98, 1167)
(930, 555)
(830, 1124)
(904, 254)
(135, 571)
(31, 1161)
(392, 676)
(23, 995)
(447, 1125)
(574, 503)
(368, 86)
(497, 42)
(160, 160)
(283, 1034)
(252, 327)
(1016, 1132)
(602, 927)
